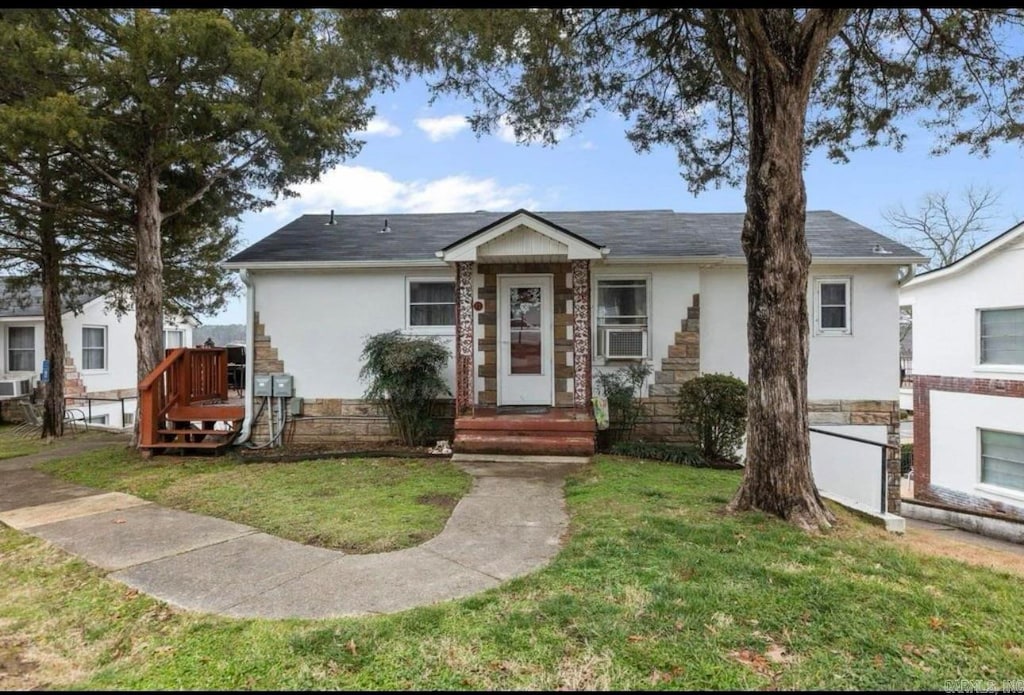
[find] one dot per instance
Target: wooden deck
(184, 404)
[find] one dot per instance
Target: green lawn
(355, 505)
(655, 589)
(12, 445)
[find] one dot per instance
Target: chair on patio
(32, 417)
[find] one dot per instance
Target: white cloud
(506, 133)
(356, 189)
(588, 145)
(380, 126)
(443, 127)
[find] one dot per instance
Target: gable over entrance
(522, 236)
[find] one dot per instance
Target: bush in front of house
(622, 389)
(406, 377)
(713, 408)
(684, 454)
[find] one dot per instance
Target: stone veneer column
(581, 357)
(464, 347)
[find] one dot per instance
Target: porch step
(537, 445)
(524, 424)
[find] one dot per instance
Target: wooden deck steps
(553, 432)
(209, 428)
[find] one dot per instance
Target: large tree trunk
(149, 287)
(777, 478)
(53, 327)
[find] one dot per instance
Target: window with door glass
(525, 334)
(1002, 459)
(622, 317)
(1001, 336)
(94, 347)
(21, 349)
(832, 306)
(431, 303)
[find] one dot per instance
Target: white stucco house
(100, 358)
(969, 379)
(532, 305)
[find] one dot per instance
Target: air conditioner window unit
(625, 342)
(15, 387)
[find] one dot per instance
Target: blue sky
(420, 158)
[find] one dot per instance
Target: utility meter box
(261, 385)
(282, 385)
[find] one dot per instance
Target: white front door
(525, 336)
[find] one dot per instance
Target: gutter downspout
(250, 354)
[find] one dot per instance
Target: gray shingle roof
(662, 233)
(30, 301)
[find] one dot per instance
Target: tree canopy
(741, 95)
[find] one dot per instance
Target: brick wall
(924, 384)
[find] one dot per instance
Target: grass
(13, 445)
(355, 505)
(655, 589)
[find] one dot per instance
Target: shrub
(658, 451)
(405, 376)
(713, 407)
(622, 388)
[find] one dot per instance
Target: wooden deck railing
(186, 376)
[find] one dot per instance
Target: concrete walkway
(511, 523)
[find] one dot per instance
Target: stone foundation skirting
(823, 413)
(342, 422)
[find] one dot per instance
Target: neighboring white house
(969, 379)
(532, 305)
(100, 358)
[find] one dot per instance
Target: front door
(525, 336)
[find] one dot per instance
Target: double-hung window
(21, 348)
(1001, 336)
(622, 318)
(94, 348)
(431, 303)
(1002, 459)
(833, 303)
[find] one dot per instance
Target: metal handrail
(90, 399)
(885, 468)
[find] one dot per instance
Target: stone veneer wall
(924, 384)
(681, 365)
(854, 412)
(487, 333)
(333, 421)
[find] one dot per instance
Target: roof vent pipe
(386, 228)
(332, 217)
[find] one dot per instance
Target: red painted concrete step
(486, 443)
(524, 424)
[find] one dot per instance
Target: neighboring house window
(832, 306)
(431, 303)
(128, 420)
(1002, 459)
(98, 420)
(174, 339)
(94, 347)
(1002, 336)
(622, 318)
(21, 349)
